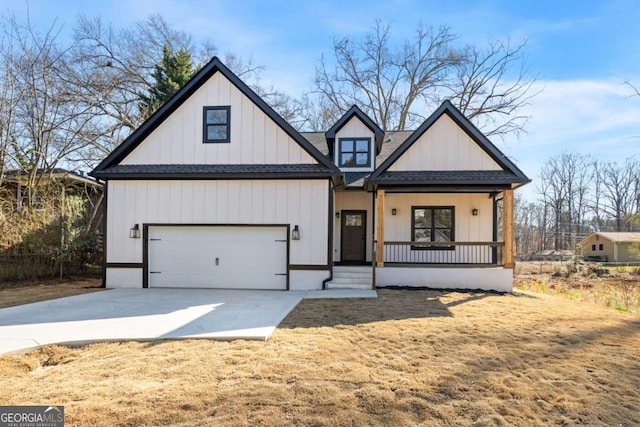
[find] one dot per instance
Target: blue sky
(583, 52)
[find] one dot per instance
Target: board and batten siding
(354, 128)
(295, 202)
(255, 137)
(444, 146)
(467, 228)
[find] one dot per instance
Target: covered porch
(444, 237)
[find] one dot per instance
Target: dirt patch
(12, 294)
(406, 358)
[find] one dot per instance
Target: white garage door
(236, 257)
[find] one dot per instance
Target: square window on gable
(354, 152)
(216, 124)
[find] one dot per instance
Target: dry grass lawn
(407, 358)
(27, 292)
(619, 288)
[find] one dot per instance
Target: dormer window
(355, 152)
(216, 127)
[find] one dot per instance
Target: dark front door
(354, 236)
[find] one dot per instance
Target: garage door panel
(239, 257)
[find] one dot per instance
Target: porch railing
(455, 253)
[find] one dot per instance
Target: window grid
(354, 152)
(437, 225)
(216, 124)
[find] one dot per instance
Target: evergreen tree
(169, 76)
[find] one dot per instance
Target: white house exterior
(216, 190)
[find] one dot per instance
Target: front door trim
(343, 240)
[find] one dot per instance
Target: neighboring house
(216, 190)
(552, 255)
(611, 247)
(54, 184)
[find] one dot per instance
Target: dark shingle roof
(392, 140)
(496, 177)
(215, 171)
(355, 179)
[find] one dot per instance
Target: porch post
(380, 232)
(507, 227)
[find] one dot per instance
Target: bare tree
(398, 85)
(43, 123)
(620, 191)
(385, 81)
(492, 85)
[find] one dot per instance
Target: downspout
(331, 237)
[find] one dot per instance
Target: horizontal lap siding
(302, 203)
(255, 138)
(444, 146)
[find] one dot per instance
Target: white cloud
(591, 117)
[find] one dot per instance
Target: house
(611, 247)
(216, 190)
(54, 184)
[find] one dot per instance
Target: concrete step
(364, 286)
(352, 269)
(353, 275)
(348, 280)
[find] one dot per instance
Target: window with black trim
(216, 124)
(433, 224)
(354, 152)
(600, 247)
(593, 247)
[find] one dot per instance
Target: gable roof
(354, 111)
(617, 237)
(212, 67)
(514, 174)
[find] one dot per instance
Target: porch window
(216, 122)
(433, 224)
(354, 152)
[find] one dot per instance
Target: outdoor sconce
(474, 212)
(394, 211)
(295, 234)
(134, 232)
(338, 215)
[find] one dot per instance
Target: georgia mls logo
(31, 416)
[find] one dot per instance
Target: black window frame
(593, 248)
(601, 247)
(205, 124)
(433, 227)
(355, 152)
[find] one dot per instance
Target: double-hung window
(354, 152)
(216, 124)
(433, 224)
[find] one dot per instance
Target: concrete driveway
(152, 314)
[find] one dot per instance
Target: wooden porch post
(380, 232)
(507, 228)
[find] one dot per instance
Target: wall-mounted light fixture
(338, 215)
(474, 212)
(394, 211)
(295, 234)
(134, 232)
